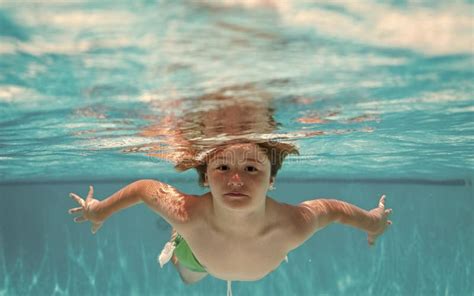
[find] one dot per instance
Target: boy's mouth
(235, 194)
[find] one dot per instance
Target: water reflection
(230, 114)
(182, 130)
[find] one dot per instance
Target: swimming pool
(377, 96)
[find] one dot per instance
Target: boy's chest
(239, 259)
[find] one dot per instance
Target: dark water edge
(285, 180)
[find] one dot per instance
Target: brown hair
(275, 151)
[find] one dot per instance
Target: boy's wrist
(100, 212)
(372, 225)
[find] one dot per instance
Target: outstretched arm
(318, 213)
(164, 199)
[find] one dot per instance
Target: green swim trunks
(185, 255)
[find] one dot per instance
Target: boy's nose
(235, 180)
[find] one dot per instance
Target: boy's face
(239, 175)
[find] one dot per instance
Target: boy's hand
(381, 222)
(88, 208)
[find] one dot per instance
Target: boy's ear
(272, 180)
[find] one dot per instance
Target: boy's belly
(242, 270)
(243, 263)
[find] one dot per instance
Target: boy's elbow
(145, 188)
(145, 182)
(320, 213)
(332, 211)
(149, 190)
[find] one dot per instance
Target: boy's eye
(223, 167)
(251, 169)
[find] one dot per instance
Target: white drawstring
(229, 283)
(229, 288)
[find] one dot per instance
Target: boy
(235, 231)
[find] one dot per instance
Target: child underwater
(234, 231)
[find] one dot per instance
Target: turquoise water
(376, 95)
(428, 251)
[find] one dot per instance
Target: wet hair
(275, 151)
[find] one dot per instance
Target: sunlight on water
(319, 74)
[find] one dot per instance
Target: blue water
(376, 95)
(428, 251)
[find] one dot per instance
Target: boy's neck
(239, 222)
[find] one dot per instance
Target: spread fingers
(77, 198)
(75, 210)
(80, 219)
(91, 192)
(382, 202)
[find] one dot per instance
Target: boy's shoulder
(290, 223)
(197, 207)
(294, 224)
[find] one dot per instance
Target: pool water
(377, 96)
(427, 251)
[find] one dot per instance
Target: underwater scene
(376, 96)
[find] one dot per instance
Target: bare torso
(246, 256)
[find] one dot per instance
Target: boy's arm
(314, 215)
(164, 199)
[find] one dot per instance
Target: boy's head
(273, 152)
